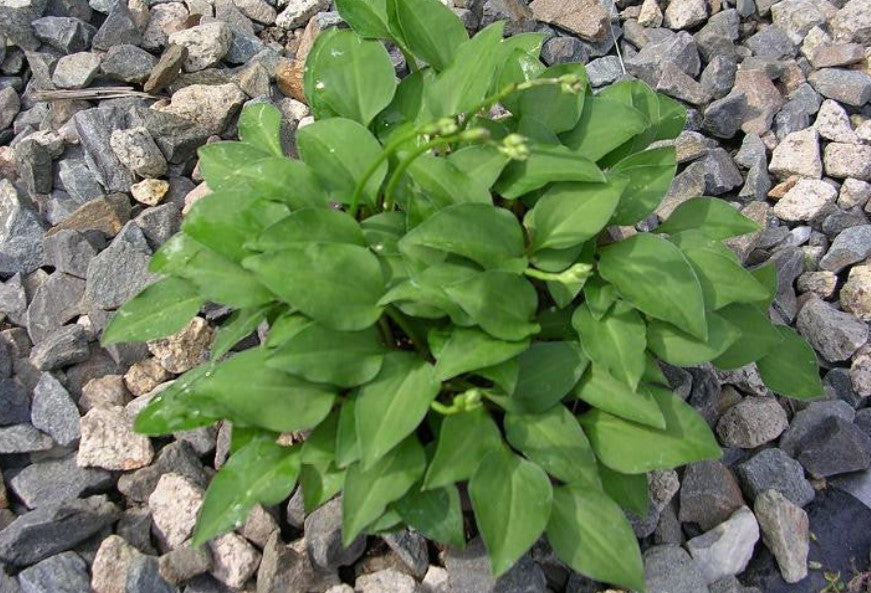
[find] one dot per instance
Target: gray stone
(54, 412)
(669, 569)
(120, 271)
(108, 441)
(167, 68)
(808, 419)
(119, 28)
(323, 533)
(34, 166)
(857, 484)
(771, 42)
(184, 563)
(602, 71)
(136, 150)
(111, 565)
(16, 402)
(848, 160)
(852, 87)
(205, 44)
(127, 63)
(23, 438)
(54, 528)
(709, 494)
(76, 71)
(283, 569)
(55, 480)
(177, 137)
(56, 302)
(752, 422)
(77, 180)
(94, 127)
(385, 580)
(661, 488)
(469, 572)
(62, 347)
(65, 33)
(70, 252)
(833, 447)
(785, 532)
(851, 246)
(63, 573)
(10, 105)
(719, 76)
(726, 549)
(838, 384)
(143, 576)
(833, 123)
(773, 469)
(135, 527)
(178, 458)
(558, 50)
(411, 548)
(721, 174)
(723, 117)
(797, 17)
(854, 193)
(852, 22)
(674, 83)
(13, 301)
(209, 106)
(165, 19)
(158, 224)
(797, 154)
(680, 49)
(15, 19)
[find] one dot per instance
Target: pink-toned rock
(588, 19)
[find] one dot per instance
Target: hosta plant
(445, 306)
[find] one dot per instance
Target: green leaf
(180, 406)
(500, 302)
(487, 235)
(223, 281)
(336, 284)
(712, 216)
(599, 296)
(548, 371)
(650, 175)
(465, 82)
(615, 342)
(757, 336)
(436, 514)
(341, 151)
(627, 490)
(480, 162)
(369, 491)
(319, 448)
(549, 105)
(259, 126)
(429, 28)
(160, 310)
(240, 324)
(464, 439)
(602, 391)
(323, 355)
(590, 533)
(568, 214)
(655, 277)
(310, 224)
(284, 327)
(546, 164)
(469, 349)
(681, 349)
(424, 293)
(511, 498)
(554, 440)
(319, 484)
(634, 448)
(503, 375)
(368, 18)
(791, 369)
(261, 472)
(347, 445)
(445, 184)
(722, 277)
(604, 125)
(352, 76)
(393, 404)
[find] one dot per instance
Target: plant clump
(447, 310)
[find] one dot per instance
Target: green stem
(386, 332)
(388, 151)
(572, 274)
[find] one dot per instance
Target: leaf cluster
(444, 304)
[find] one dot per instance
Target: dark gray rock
(135, 527)
(176, 137)
(852, 87)
(558, 50)
(13, 300)
(679, 49)
(841, 220)
(55, 480)
(796, 113)
(719, 76)
(64, 573)
(54, 412)
(773, 469)
(721, 174)
(184, 563)
(158, 224)
(709, 494)
(34, 166)
(718, 35)
(411, 548)
(178, 457)
(94, 127)
(77, 180)
(723, 117)
(70, 252)
(669, 569)
(282, 568)
(127, 63)
(54, 528)
(517, 16)
(771, 42)
(10, 105)
(838, 384)
(65, 33)
(57, 301)
(602, 71)
(23, 438)
(16, 402)
(808, 419)
(143, 576)
(119, 28)
(243, 47)
(323, 529)
(849, 247)
(15, 19)
(469, 572)
(834, 334)
(75, 8)
(62, 347)
(834, 447)
(120, 271)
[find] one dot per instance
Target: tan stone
(144, 376)
(108, 441)
(104, 392)
(289, 73)
(184, 350)
(103, 214)
(588, 19)
(856, 292)
(109, 571)
(174, 505)
(149, 191)
(234, 559)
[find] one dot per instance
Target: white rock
(109, 571)
(234, 560)
(149, 191)
(137, 151)
(807, 200)
(833, 123)
(385, 580)
(727, 548)
(650, 15)
(174, 505)
(854, 192)
(684, 14)
(435, 581)
(298, 12)
(210, 106)
(785, 531)
(206, 44)
(848, 160)
(108, 441)
(797, 154)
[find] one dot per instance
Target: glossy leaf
(180, 406)
(634, 448)
(446, 184)
(368, 18)
(259, 126)
(712, 216)
(511, 498)
(554, 440)
(615, 342)
(650, 175)
(310, 225)
(546, 164)
(791, 369)
(627, 490)
(464, 439)
(604, 125)
(758, 336)
(482, 163)
(654, 276)
(602, 391)
(548, 371)
(436, 514)
(347, 443)
(393, 404)
(555, 109)
(223, 281)
(367, 492)
(429, 29)
(469, 349)
(160, 310)
(590, 533)
(261, 472)
(336, 284)
(599, 296)
(680, 349)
